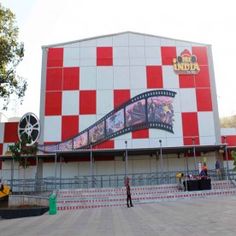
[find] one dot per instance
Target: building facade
(126, 93)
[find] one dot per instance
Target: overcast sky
(43, 22)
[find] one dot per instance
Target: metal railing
(103, 181)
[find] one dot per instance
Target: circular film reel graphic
(29, 125)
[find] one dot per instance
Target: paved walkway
(216, 216)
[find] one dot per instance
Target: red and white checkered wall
(87, 79)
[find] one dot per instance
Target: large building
(150, 98)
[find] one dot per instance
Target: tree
(11, 54)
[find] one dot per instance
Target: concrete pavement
(209, 216)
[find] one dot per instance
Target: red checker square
(55, 57)
(189, 141)
(143, 133)
(186, 81)
(109, 144)
(104, 56)
(190, 124)
(87, 102)
(167, 55)
(121, 96)
(11, 132)
(201, 54)
(70, 127)
(154, 77)
(53, 103)
(54, 79)
(202, 79)
(229, 139)
(71, 76)
(204, 102)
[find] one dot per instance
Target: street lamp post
(227, 158)
(194, 155)
(91, 165)
(126, 159)
(161, 159)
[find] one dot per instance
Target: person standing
(128, 193)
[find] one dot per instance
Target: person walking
(128, 192)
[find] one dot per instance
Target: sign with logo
(186, 63)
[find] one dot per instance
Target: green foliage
(21, 151)
(233, 153)
(11, 54)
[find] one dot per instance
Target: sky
(45, 22)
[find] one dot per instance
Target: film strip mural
(153, 109)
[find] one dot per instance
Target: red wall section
(71, 78)
(201, 53)
(121, 96)
(186, 81)
(54, 79)
(87, 102)
(202, 79)
(109, 144)
(104, 56)
(167, 55)
(53, 103)
(55, 57)
(143, 133)
(154, 77)
(204, 102)
(70, 126)
(190, 126)
(11, 132)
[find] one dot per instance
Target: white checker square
(120, 56)
(167, 42)
(136, 52)
(88, 62)
(121, 77)
(88, 52)
(124, 137)
(188, 100)
(70, 102)
(105, 77)
(121, 40)
(88, 77)
(157, 133)
(120, 144)
(88, 43)
(155, 142)
(152, 41)
(137, 61)
(228, 131)
(176, 100)
(136, 39)
(104, 41)
(71, 62)
(174, 142)
(140, 143)
(206, 124)
(209, 140)
(177, 126)
(153, 52)
(105, 102)
(52, 129)
(170, 78)
(71, 53)
(85, 121)
(135, 92)
(2, 130)
(138, 77)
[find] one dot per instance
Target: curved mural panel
(153, 109)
